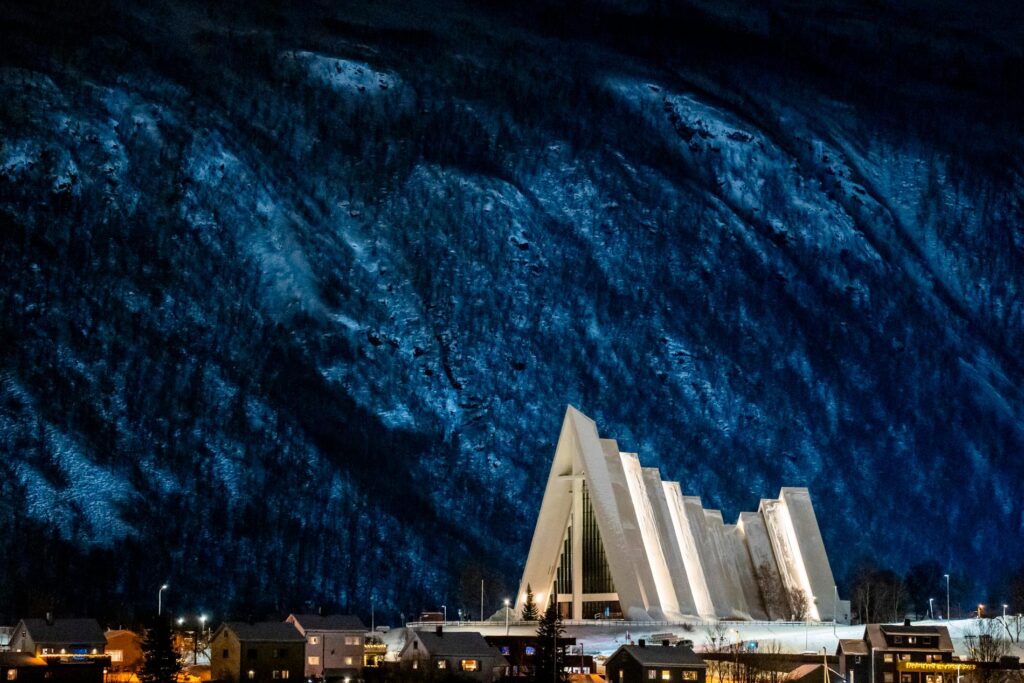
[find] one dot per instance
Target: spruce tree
(161, 664)
(549, 657)
(529, 607)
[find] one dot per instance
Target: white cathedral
(614, 540)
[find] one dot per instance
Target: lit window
(313, 640)
(252, 674)
(906, 678)
(905, 658)
(911, 640)
(530, 650)
(887, 658)
(897, 639)
(666, 675)
(116, 656)
(12, 674)
(314, 661)
(348, 661)
(652, 674)
(276, 674)
(415, 664)
(504, 650)
(442, 664)
(285, 673)
(887, 678)
(351, 640)
(689, 675)
(469, 665)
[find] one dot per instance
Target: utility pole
(947, 596)
(481, 601)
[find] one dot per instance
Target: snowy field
(603, 639)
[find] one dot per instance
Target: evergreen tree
(162, 664)
(529, 607)
(549, 658)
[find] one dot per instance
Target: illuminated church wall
(613, 539)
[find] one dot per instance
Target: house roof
(65, 631)
(659, 655)
(456, 643)
(875, 635)
(330, 622)
(808, 673)
(851, 646)
(20, 660)
(264, 631)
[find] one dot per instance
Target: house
(520, 651)
(898, 654)
(22, 667)
(265, 651)
(464, 653)
(124, 648)
(335, 645)
(642, 663)
(72, 650)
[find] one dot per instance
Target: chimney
(664, 643)
(49, 618)
(439, 630)
(642, 642)
(906, 622)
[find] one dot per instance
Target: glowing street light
(931, 608)
(1004, 611)
(506, 615)
(160, 599)
(980, 607)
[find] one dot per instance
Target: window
(351, 640)
(652, 674)
(415, 664)
(252, 674)
(285, 673)
(504, 650)
(314, 640)
(530, 650)
(905, 658)
(116, 656)
(469, 665)
(415, 644)
(856, 660)
(911, 640)
(278, 653)
(689, 675)
(887, 677)
(906, 678)
(622, 675)
(887, 658)
(442, 664)
(666, 675)
(224, 653)
(276, 674)
(348, 661)
(314, 660)
(897, 639)
(12, 674)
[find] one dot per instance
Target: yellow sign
(934, 666)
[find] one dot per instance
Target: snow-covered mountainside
(292, 302)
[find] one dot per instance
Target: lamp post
(1004, 612)
(160, 600)
(506, 617)
(202, 630)
(947, 596)
(444, 608)
(931, 608)
(980, 607)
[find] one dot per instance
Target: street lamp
(506, 616)
(980, 607)
(931, 608)
(1004, 612)
(160, 600)
(947, 596)
(445, 609)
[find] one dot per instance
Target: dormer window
(897, 639)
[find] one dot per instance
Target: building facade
(72, 650)
(615, 541)
(655, 664)
(335, 645)
(464, 654)
(260, 652)
(900, 654)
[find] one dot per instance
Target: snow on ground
(604, 639)
(342, 74)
